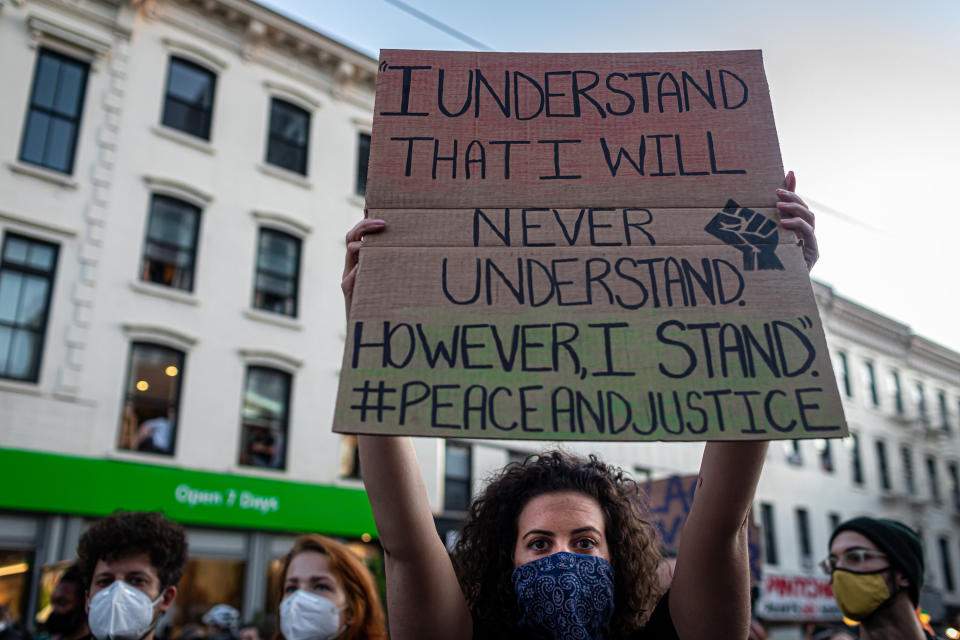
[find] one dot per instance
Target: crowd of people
(555, 547)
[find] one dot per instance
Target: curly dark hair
(127, 533)
(483, 555)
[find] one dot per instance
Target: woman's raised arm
(423, 596)
(710, 593)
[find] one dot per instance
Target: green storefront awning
(52, 483)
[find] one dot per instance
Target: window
(906, 456)
(922, 405)
(944, 412)
(266, 403)
(825, 450)
(456, 479)
(882, 465)
(769, 533)
(803, 536)
(897, 392)
(794, 454)
(855, 466)
(843, 372)
(170, 250)
(189, 100)
(349, 462)
(56, 104)
(833, 521)
(27, 267)
(516, 456)
(871, 384)
(946, 564)
(278, 272)
(934, 479)
(954, 485)
(363, 159)
(152, 399)
(289, 136)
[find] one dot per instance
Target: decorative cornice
(178, 189)
(161, 335)
(283, 222)
(196, 54)
(293, 94)
(268, 358)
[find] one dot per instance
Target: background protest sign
(669, 501)
(581, 246)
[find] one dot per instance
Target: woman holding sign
(571, 529)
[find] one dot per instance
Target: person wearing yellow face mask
(876, 571)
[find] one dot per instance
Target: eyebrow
(544, 532)
(856, 548)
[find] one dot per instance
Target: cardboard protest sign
(581, 247)
(669, 501)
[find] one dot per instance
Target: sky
(866, 97)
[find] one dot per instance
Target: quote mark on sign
(383, 66)
(806, 322)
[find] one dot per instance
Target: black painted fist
(750, 232)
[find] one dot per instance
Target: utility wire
(433, 22)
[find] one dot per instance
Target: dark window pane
(23, 354)
(189, 98)
(265, 407)
(45, 82)
(70, 90)
(56, 103)
(152, 399)
(289, 136)
(26, 280)
(35, 138)
(169, 250)
(59, 150)
(363, 159)
(11, 284)
(278, 266)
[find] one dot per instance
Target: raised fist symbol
(749, 232)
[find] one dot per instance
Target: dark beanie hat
(898, 541)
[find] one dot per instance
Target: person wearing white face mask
(131, 564)
(328, 593)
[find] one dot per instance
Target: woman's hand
(795, 215)
(354, 242)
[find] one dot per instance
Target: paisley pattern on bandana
(565, 596)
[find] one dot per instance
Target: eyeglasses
(852, 559)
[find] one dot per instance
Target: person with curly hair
(327, 593)
(558, 547)
(131, 563)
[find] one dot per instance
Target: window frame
(883, 467)
(128, 397)
(447, 478)
(75, 121)
(856, 461)
(271, 136)
(285, 431)
(192, 64)
(771, 554)
(52, 276)
(805, 542)
(296, 276)
(154, 197)
(362, 193)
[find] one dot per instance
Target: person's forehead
(308, 564)
(137, 562)
(561, 510)
(850, 540)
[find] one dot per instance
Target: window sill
(57, 178)
(164, 292)
(183, 138)
(129, 455)
(275, 319)
(19, 386)
(290, 176)
(357, 201)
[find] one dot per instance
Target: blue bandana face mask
(565, 596)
